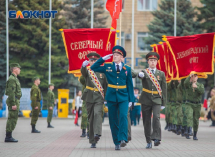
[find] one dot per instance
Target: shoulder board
(108, 62)
(127, 65)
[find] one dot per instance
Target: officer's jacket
(194, 95)
(13, 90)
(51, 98)
(120, 85)
(90, 93)
(147, 95)
(35, 96)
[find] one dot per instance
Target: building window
(141, 45)
(146, 5)
(123, 4)
(122, 39)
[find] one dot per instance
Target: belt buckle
(94, 89)
(117, 88)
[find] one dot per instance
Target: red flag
(193, 53)
(79, 42)
(114, 7)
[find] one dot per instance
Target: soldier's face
(92, 62)
(17, 70)
(51, 87)
(117, 58)
(195, 78)
(37, 81)
(136, 91)
(152, 63)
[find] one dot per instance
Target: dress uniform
(51, 100)
(84, 119)
(35, 102)
(194, 96)
(137, 109)
(119, 94)
(13, 91)
(154, 95)
(94, 98)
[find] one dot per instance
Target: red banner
(79, 42)
(114, 7)
(192, 54)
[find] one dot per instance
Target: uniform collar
(153, 69)
(13, 74)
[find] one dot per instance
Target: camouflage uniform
(193, 103)
(35, 102)
(13, 91)
(167, 109)
(179, 98)
(51, 99)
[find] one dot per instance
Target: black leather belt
(179, 101)
(173, 101)
(197, 102)
(184, 101)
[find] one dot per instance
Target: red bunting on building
(79, 42)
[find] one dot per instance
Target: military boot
(9, 137)
(49, 126)
(166, 127)
(190, 131)
(174, 128)
(185, 130)
(88, 136)
(187, 133)
(83, 133)
(179, 128)
(34, 130)
(169, 127)
(182, 132)
(194, 136)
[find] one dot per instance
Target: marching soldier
(194, 91)
(167, 108)
(94, 93)
(51, 100)
(152, 97)
(35, 103)
(137, 108)
(174, 85)
(84, 120)
(119, 95)
(13, 91)
(179, 98)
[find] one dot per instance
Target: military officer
(152, 97)
(130, 108)
(94, 94)
(194, 91)
(13, 91)
(84, 119)
(35, 103)
(51, 100)
(119, 95)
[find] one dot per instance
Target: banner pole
(175, 16)
(120, 29)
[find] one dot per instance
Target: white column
(50, 42)
(92, 16)
(7, 49)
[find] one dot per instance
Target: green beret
(51, 84)
(35, 78)
(12, 65)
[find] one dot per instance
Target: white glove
(135, 104)
(162, 107)
(85, 63)
(105, 102)
(141, 74)
(107, 57)
(129, 104)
